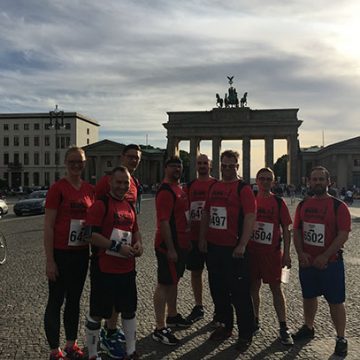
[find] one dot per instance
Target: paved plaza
(24, 292)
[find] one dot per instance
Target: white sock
(92, 339)
(129, 327)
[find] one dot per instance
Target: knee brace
(127, 316)
(92, 324)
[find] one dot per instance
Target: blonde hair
(73, 149)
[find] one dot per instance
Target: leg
(255, 294)
(279, 301)
(310, 309)
(171, 300)
(197, 286)
(92, 328)
(111, 323)
(160, 297)
(338, 316)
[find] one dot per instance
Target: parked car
(3, 207)
(34, 204)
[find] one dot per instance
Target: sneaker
(165, 336)
(178, 320)
(304, 333)
(112, 347)
(220, 334)
(243, 344)
(341, 347)
(57, 355)
(73, 353)
(285, 337)
(119, 333)
(196, 314)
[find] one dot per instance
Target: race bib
(263, 232)
(218, 218)
(76, 233)
(314, 234)
(125, 237)
(196, 209)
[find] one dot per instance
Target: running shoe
(341, 347)
(285, 337)
(57, 355)
(112, 346)
(119, 334)
(73, 353)
(165, 336)
(178, 320)
(243, 344)
(304, 333)
(220, 334)
(196, 314)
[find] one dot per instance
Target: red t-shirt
(71, 205)
(197, 191)
(118, 222)
(223, 204)
(319, 224)
(103, 187)
(176, 212)
(267, 230)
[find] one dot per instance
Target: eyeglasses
(76, 162)
(263, 178)
(229, 166)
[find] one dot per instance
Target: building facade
(32, 148)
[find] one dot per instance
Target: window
(47, 158)
(67, 126)
(36, 178)
(16, 126)
(356, 162)
(57, 176)
(16, 159)
(47, 140)
(47, 178)
(57, 142)
(26, 158)
(87, 141)
(26, 141)
(57, 158)
(36, 141)
(36, 126)
(47, 126)
(6, 141)
(6, 158)
(36, 158)
(6, 177)
(6, 127)
(63, 142)
(108, 164)
(68, 141)
(87, 131)
(16, 141)
(26, 126)
(26, 179)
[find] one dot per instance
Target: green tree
(280, 168)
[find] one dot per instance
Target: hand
(172, 255)
(286, 261)
(138, 249)
(239, 251)
(52, 271)
(304, 259)
(202, 246)
(126, 251)
(321, 262)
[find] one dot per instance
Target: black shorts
(169, 272)
(195, 259)
(112, 291)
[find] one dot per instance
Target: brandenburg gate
(235, 123)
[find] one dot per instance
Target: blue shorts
(329, 282)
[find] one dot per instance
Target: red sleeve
(164, 205)
(102, 187)
(248, 200)
(53, 197)
(285, 214)
(297, 218)
(95, 215)
(343, 218)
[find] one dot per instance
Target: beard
(319, 190)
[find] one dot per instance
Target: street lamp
(57, 122)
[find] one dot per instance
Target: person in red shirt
(67, 254)
(197, 191)
(226, 227)
(266, 256)
(172, 241)
(111, 225)
(130, 158)
(321, 228)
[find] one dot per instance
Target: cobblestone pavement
(24, 293)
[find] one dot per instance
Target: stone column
(269, 151)
(172, 146)
(292, 176)
(216, 148)
(246, 158)
(194, 152)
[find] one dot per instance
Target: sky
(127, 63)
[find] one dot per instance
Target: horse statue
(243, 100)
(219, 101)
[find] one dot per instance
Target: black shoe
(304, 333)
(243, 344)
(196, 314)
(341, 347)
(165, 336)
(178, 320)
(285, 337)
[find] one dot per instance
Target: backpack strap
(240, 186)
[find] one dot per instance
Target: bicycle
(3, 248)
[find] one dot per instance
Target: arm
(286, 259)
(138, 247)
(204, 225)
(49, 223)
(101, 241)
(165, 233)
(304, 258)
(248, 228)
